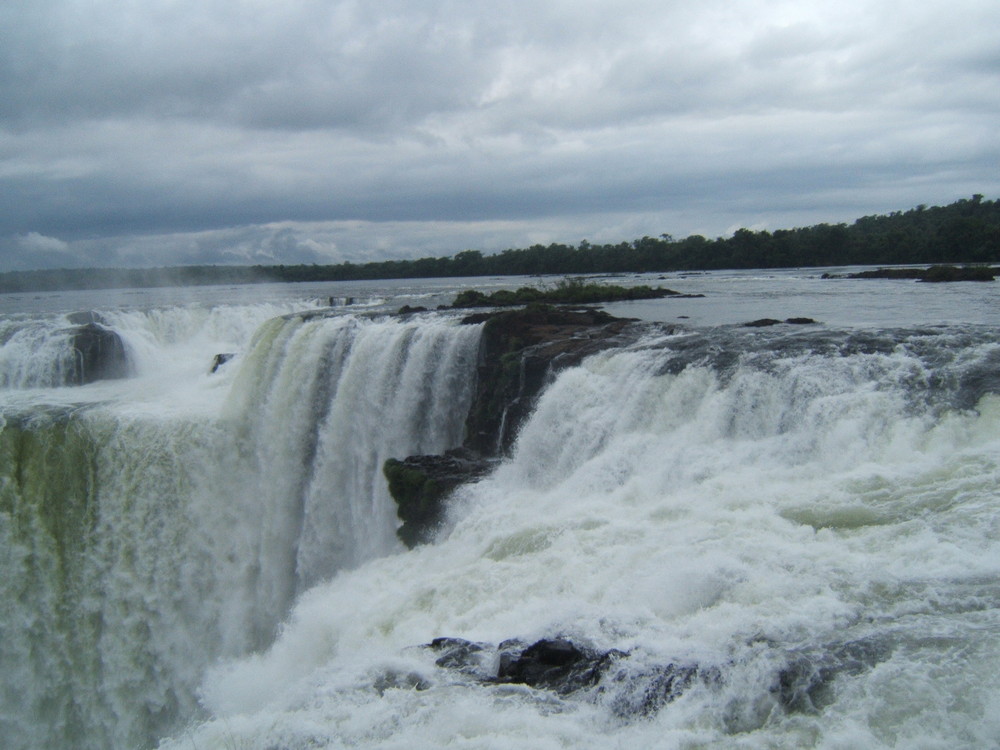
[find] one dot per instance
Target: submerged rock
(565, 668)
(99, 354)
(219, 360)
(764, 322)
(556, 664)
(801, 681)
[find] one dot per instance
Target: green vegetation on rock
(568, 291)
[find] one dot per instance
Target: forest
(964, 232)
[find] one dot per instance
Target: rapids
(806, 518)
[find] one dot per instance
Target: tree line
(964, 232)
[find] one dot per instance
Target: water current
(804, 519)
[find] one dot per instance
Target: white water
(744, 521)
(141, 540)
(211, 557)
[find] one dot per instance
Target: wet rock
(764, 322)
(467, 657)
(519, 353)
(565, 668)
(420, 485)
(220, 359)
(84, 317)
(635, 690)
(803, 685)
(933, 274)
(556, 664)
(99, 354)
(399, 681)
(645, 692)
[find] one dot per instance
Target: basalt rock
(420, 485)
(83, 317)
(98, 354)
(764, 322)
(933, 274)
(219, 360)
(519, 353)
(802, 679)
(565, 668)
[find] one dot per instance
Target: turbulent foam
(815, 529)
(139, 545)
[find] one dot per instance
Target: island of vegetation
(962, 233)
(934, 274)
(566, 292)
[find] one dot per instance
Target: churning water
(805, 520)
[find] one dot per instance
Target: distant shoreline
(964, 233)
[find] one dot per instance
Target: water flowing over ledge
(135, 550)
(759, 538)
(747, 537)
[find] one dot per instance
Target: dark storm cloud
(316, 131)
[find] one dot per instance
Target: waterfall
(805, 529)
(139, 545)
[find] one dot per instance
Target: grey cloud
(259, 131)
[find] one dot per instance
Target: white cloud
(33, 242)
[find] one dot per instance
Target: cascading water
(775, 538)
(806, 531)
(142, 541)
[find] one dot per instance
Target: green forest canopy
(967, 231)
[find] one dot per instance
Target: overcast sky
(162, 132)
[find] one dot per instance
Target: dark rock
(407, 310)
(399, 681)
(220, 359)
(803, 685)
(764, 322)
(938, 274)
(933, 274)
(645, 692)
(99, 354)
(86, 316)
(519, 353)
(421, 484)
(464, 656)
(555, 664)
(559, 665)
(630, 690)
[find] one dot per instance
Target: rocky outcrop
(420, 484)
(933, 274)
(566, 668)
(800, 681)
(219, 360)
(98, 354)
(519, 353)
(764, 322)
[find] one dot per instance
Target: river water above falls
(767, 537)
